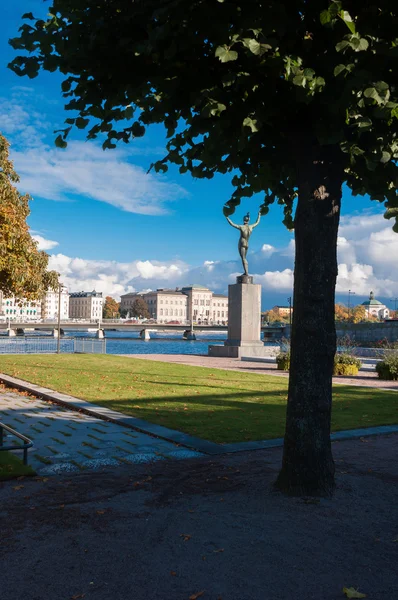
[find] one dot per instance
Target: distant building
(374, 308)
(49, 304)
(282, 311)
(199, 303)
(19, 310)
(191, 302)
(86, 305)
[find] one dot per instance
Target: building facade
(194, 302)
(14, 309)
(49, 304)
(374, 308)
(282, 311)
(86, 305)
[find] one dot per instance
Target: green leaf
(66, 85)
(309, 73)
(342, 46)
(225, 54)
(252, 123)
(28, 15)
(128, 112)
(339, 69)
(373, 94)
(81, 123)
(363, 45)
(228, 210)
(385, 157)
(325, 17)
(255, 47)
(138, 130)
(60, 142)
(346, 17)
(299, 80)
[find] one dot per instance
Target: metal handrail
(28, 443)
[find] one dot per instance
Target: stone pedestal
(244, 321)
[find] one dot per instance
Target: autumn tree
(111, 308)
(271, 316)
(358, 314)
(140, 309)
(293, 98)
(341, 312)
(23, 268)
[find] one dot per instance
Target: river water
(119, 342)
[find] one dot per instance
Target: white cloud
(83, 168)
(44, 244)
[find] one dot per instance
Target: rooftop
(372, 301)
(93, 294)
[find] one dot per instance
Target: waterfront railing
(39, 345)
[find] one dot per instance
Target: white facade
(49, 304)
(181, 305)
(374, 308)
(19, 310)
(86, 305)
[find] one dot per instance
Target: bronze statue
(245, 233)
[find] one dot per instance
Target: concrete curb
(172, 435)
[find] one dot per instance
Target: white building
(19, 310)
(86, 305)
(181, 305)
(374, 308)
(219, 308)
(163, 305)
(49, 304)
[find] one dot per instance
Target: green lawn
(12, 467)
(222, 406)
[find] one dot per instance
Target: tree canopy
(239, 86)
(23, 268)
(140, 309)
(111, 308)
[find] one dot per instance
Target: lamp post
(350, 293)
(59, 318)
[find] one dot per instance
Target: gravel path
(365, 378)
(204, 528)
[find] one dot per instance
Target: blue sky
(109, 225)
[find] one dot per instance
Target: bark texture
(308, 467)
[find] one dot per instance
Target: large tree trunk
(308, 467)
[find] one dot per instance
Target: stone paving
(68, 441)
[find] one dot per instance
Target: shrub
(283, 361)
(388, 368)
(346, 364)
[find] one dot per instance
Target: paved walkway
(364, 378)
(207, 528)
(67, 441)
